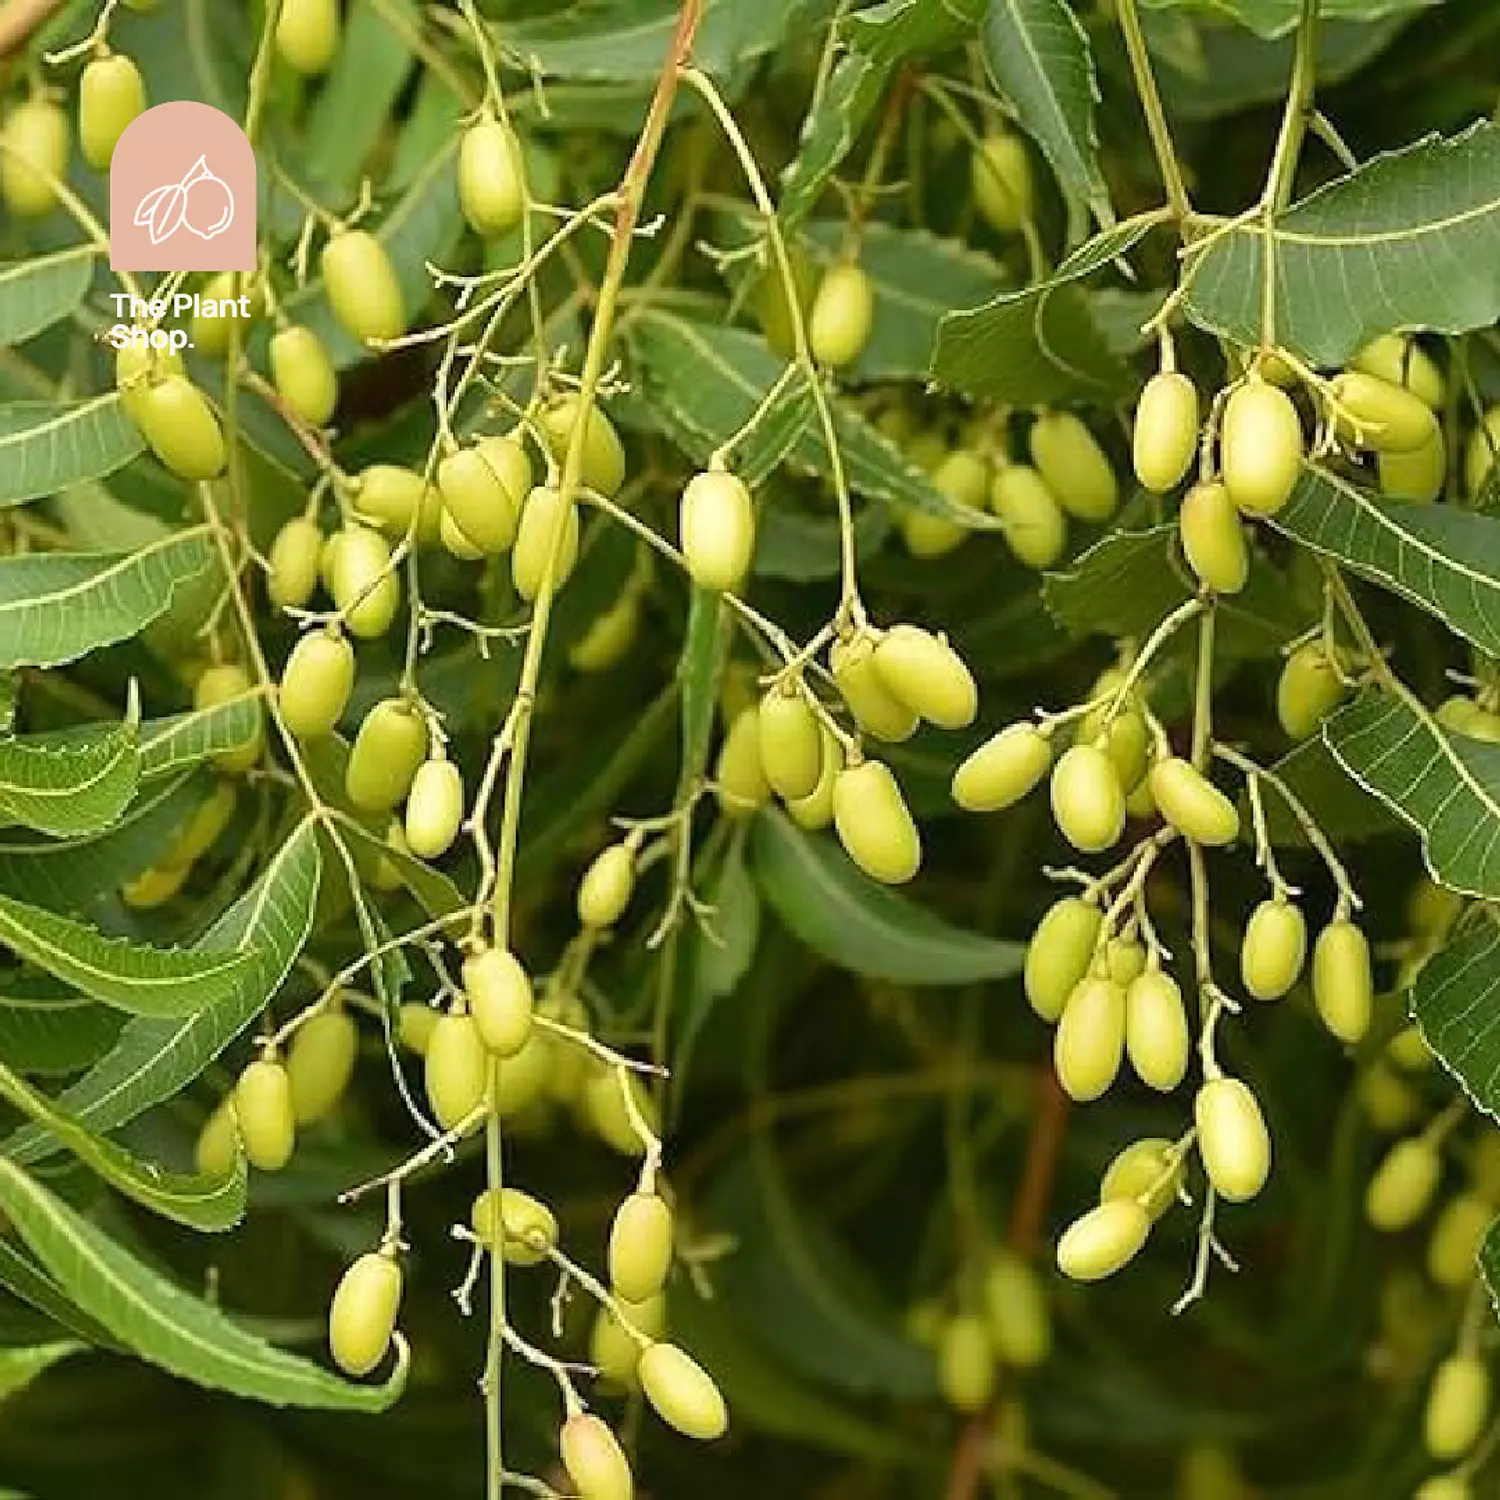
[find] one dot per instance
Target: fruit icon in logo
(201, 202)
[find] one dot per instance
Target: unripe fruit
(320, 1062)
(1417, 477)
(263, 1111)
(218, 1145)
(477, 501)
(204, 827)
(716, 524)
(1342, 983)
(1156, 1030)
(523, 1080)
(603, 455)
(1103, 1241)
(1401, 361)
(292, 575)
(362, 1317)
(364, 585)
(491, 178)
(111, 94)
(362, 286)
(1003, 769)
(1020, 1328)
(604, 1107)
(738, 773)
(608, 638)
(1479, 456)
(842, 316)
(1127, 742)
(414, 1027)
(181, 429)
(316, 684)
(542, 515)
(1124, 959)
(303, 374)
(1073, 466)
(1402, 1187)
(1192, 804)
(1458, 1406)
(1087, 801)
(1036, 526)
(875, 709)
(925, 673)
(1232, 1139)
(213, 331)
(1000, 172)
(307, 34)
(1148, 1171)
(1260, 447)
(36, 139)
(1165, 440)
(640, 1247)
(398, 501)
(612, 1350)
(815, 811)
(154, 887)
(596, 1464)
(434, 808)
(1090, 1039)
(457, 1071)
(1386, 1099)
(683, 1393)
(223, 684)
(966, 1363)
(1213, 540)
(390, 746)
(1309, 687)
(1274, 949)
(773, 310)
(529, 1226)
(1453, 1250)
(873, 824)
(500, 999)
(607, 886)
(137, 369)
(1408, 1050)
(1445, 1487)
(1059, 954)
(964, 477)
(791, 743)
(1378, 415)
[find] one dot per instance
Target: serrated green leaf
(1455, 1001)
(40, 291)
(1273, 18)
(65, 791)
(19, 1367)
(47, 1030)
(171, 745)
(1345, 810)
(1489, 1264)
(21, 1275)
(47, 445)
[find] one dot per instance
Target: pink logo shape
(182, 192)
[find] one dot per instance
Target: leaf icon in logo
(164, 210)
(161, 211)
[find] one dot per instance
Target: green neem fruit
(1036, 526)
(1090, 1039)
(877, 711)
(771, 307)
(1458, 1406)
(607, 886)
(1192, 804)
(362, 1317)
(457, 1070)
(609, 637)
(364, 585)
(529, 1226)
(154, 887)
(397, 501)
(434, 808)
(927, 536)
(500, 999)
(1260, 447)
(1402, 1187)
(303, 374)
(1126, 741)
(506, 454)
(1000, 172)
(292, 575)
(842, 316)
(390, 746)
(307, 34)
(1309, 687)
(1059, 954)
(1103, 1241)
(739, 775)
(137, 368)
(111, 94)
(1408, 1050)
(640, 1246)
(1165, 440)
(613, 1352)
(604, 1108)
(316, 684)
(1417, 477)
(925, 673)
(1274, 948)
(596, 1464)
(1156, 1030)
(716, 524)
(873, 824)
(791, 743)
(1453, 1250)
(477, 500)
(523, 1080)
(964, 477)
(181, 429)
(544, 519)
(263, 1111)
(1342, 982)
(1375, 414)
(491, 178)
(1020, 1328)
(1213, 540)
(1453, 1486)
(1147, 1171)
(603, 454)
(1073, 466)
(1479, 456)
(1003, 769)
(204, 827)
(320, 1062)
(1124, 959)
(362, 286)
(414, 1026)
(1087, 800)
(36, 155)
(223, 684)
(816, 809)
(214, 331)
(1386, 1098)
(1232, 1139)
(218, 1145)
(966, 1363)
(1401, 361)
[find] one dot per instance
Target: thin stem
(1151, 105)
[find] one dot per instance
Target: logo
(182, 192)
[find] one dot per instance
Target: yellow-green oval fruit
(1479, 456)
(1260, 447)
(640, 1246)
(36, 155)
(739, 776)
(474, 496)
(316, 684)
(1408, 1050)
(414, 1026)
(815, 810)
(500, 999)
(530, 1228)
(1453, 1250)
(1036, 526)
(928, 536)
(603, 454)
(362, 1317)
(434, 808)
(1087, 801)
(607, 886)
(1375, 414)
(609, 637)
(1387, 1099)
(212, 332)
(1232, 1139)
(525, 1078)
(1165, 440)
(455, 543)
(1402, 1187)
(604, 1108)
(1000, 172)
(1147, 1171)
(716, 524)
(292, 574)
(111, 93)
(1445, 1487)
(964, 477)
(390, 746)
(873, 824)
(842, 316)
(1090, 1039)
(1015, 1302)
(1192, 804)
(1003, 769)
(1124, 959)
(543, 514)
(506, 455)
(683, 1393)
(218, 1144)
(1342, 983)
(791, 743)
(1075, 469)
(491, 177)
(1274, 949)
(1103, 1241)
(303, 374)
(925, 673)
(181, 429)
(596, 1464)
(1417, 477)
(457, 1070)
(1127, 743)
(223, 684)
(1401, 361)
(771, 306)
(362, 286)
(204, 827)
(1213, 540)
(966, 1363)
(1308, 688)
(154, 886)
(307, 34)
(263, 1111)
(364, 585)
(137, 368)
(320, 1062)
(613, 1351)
(1458, 1406)
(398, 501)
(1059, 954)
(1156, 1030)
(875, 709)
